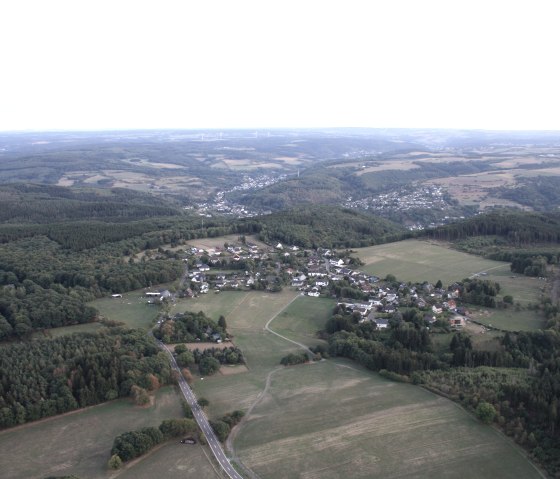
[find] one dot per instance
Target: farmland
(417, 261)
(79, 443)
(333, 419)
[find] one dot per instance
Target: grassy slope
(417, 261)
(80, 443)
(335, 419)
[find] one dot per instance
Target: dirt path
(267, 327)
(235, 431)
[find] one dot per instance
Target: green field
(302, 319)
(80, 443)
(418, 261)
(64, 330)
(333, 419)
(132, 309)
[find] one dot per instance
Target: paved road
(202, 421)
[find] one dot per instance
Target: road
(201, 419)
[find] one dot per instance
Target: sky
(120, 64)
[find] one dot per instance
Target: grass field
(80, 443)
(418, 261)
(132, 309)
(333, 419)
(302, 319)
(64, 330)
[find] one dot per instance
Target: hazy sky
(95, 64)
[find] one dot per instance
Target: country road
(201, 419)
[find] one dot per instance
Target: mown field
(418, 261)
(333, 419)
(132, 309)
(80, 443)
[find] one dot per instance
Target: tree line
(48, 377)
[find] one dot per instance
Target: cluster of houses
(315, 273)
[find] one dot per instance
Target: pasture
(64, 330)
(79, 443)
(333, 419)
(418, 261)
(301, 320)
(132, 309)
(246, 318)
(208, 243)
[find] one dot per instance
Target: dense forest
(327, 227)
(518, 228)
(47, 377)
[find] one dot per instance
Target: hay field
(132, 309)
(301, 320)
(80, 443)
(418, 261)
(333, 419)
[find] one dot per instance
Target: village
(317, 273)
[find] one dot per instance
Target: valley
(343, 302)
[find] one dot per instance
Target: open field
(333, 419)
(207, 243)
(246, 317)
(64, 330)
(132, 309)
(302, 319)
(175, 461)
(508, 319)
(418, 261)
(80, 443)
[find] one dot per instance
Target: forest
(46, 377)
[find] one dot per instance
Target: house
(429, 318)
(322, 282)
(437, 308)
(314, 293)
(165, 295)
(382, 323)
(203, 267)
(457, 322)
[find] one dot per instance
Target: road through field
(201, 419)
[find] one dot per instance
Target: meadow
(333, 418)
(132, 309)
(79, 443)
(418, 261)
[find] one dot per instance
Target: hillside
(327, 227)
